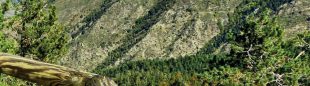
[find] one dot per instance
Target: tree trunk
(48, 74)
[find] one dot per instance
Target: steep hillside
(164, 42)
(111, 32)
(109, 35)
(124, 30)
(295, 16)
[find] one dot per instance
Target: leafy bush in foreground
(32, 32)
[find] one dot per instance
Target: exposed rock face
(295, 16)
(111, 32)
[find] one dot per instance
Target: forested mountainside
(138, 29)
(170, 42)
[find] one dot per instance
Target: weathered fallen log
(49, 74)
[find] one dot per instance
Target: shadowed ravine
(138, 32)
(92, 19)
(188, 26)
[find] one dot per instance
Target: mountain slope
(135, 30)
(111, 32)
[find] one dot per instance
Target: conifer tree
(40, 35)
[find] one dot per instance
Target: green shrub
(41, 36)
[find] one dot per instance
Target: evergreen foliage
(6, 44)
(38, 35)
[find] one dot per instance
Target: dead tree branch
(49, 74)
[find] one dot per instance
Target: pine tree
(254, 36)
(41, 36)
(7, 44)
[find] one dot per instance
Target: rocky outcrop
(294, 17)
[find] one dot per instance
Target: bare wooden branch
(300, 54)
(49, 74)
